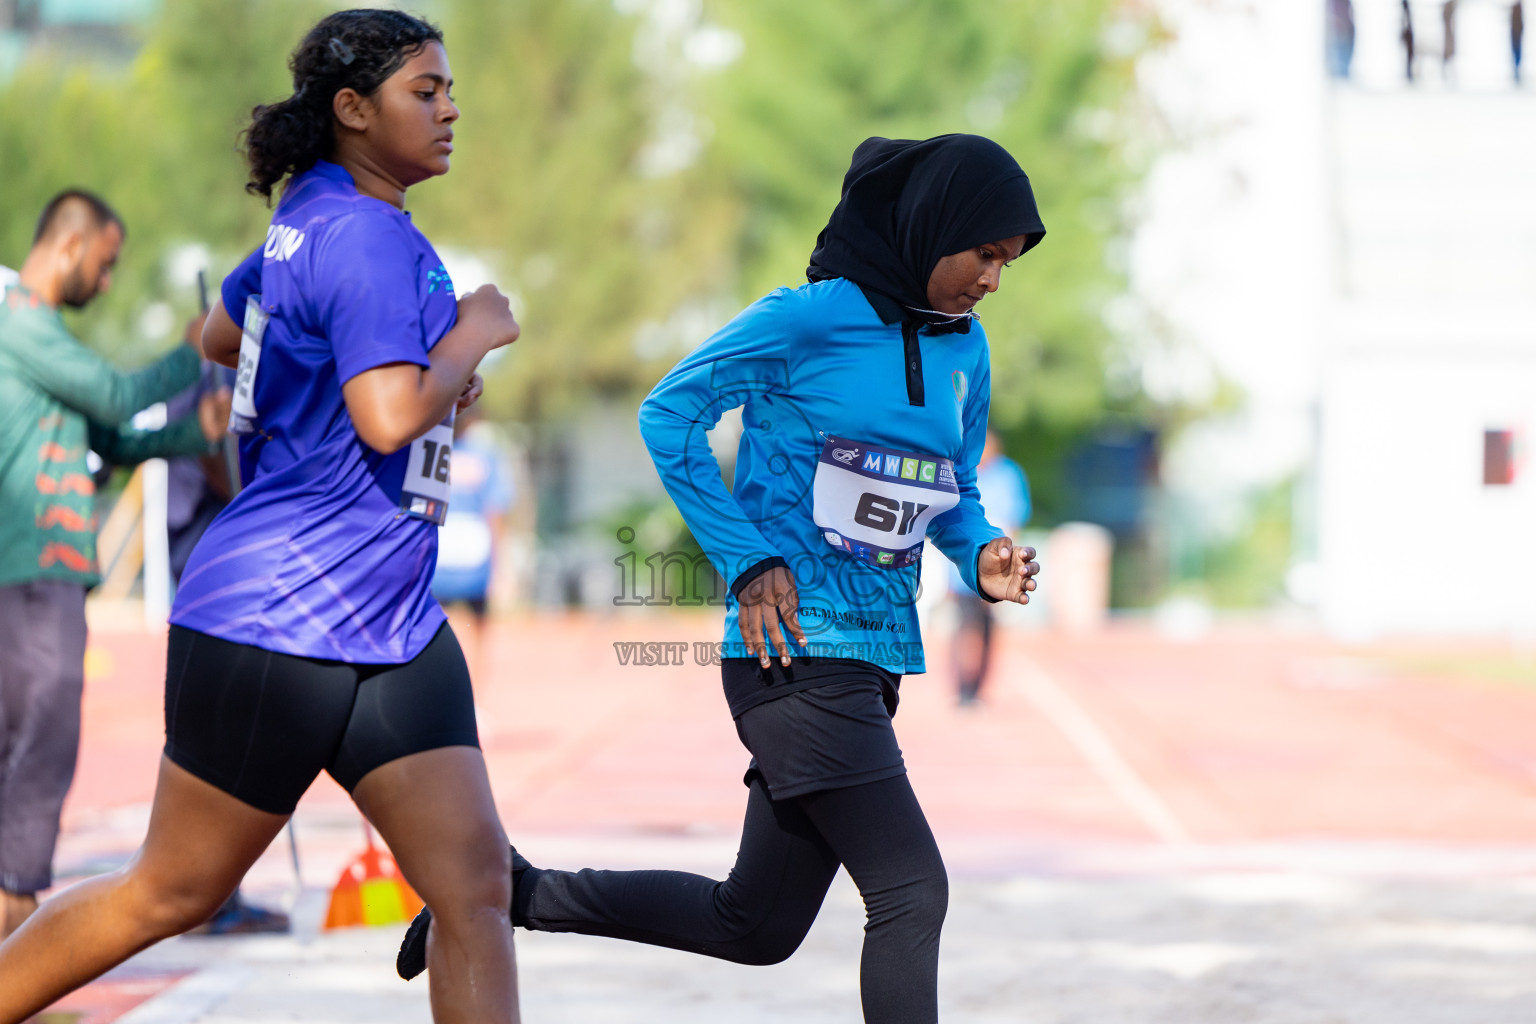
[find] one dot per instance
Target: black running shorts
(831, 735)
(261, 725)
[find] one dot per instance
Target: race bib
(427, 473)
(875, 503)
(242, 406)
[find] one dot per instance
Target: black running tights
(790, 849)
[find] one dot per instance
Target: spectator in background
(1406, 34)
(1517, 35)
(1004, 493)
(57, 400)
(1341, 37)
(469, 545)
(197, 487)
(1448, 39)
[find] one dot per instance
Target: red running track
(1122, 737)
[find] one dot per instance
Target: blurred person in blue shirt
(1004, 493)
(470, 541)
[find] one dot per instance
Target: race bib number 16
(242, 406)
(428, 472)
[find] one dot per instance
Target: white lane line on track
(192, 998)
(1052, 701)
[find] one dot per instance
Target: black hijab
(908, 204)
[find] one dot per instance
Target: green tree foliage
(548, 184)
(1033, 76)
(620, 261)
(1052, 82)
(156, 139)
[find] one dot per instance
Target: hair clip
(342, 51)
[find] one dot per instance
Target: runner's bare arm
(393, 404)
(221, 337)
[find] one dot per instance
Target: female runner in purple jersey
(304, 636)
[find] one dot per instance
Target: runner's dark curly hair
(347, 50)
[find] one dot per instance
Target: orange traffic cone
(371, 891)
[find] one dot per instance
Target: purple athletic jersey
(315, 557)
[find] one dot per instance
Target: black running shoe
(412, 958)
(237, 917)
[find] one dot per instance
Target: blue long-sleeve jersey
(808, 364)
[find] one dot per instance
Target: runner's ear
(352, 109)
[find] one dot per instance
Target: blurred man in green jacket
(59, 399)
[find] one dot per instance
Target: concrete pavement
(1264, 936)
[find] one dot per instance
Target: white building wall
(1359, 258)
(1429, 341)
(1412, 540)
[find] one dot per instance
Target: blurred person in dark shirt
(197, 489)
(1004, 490)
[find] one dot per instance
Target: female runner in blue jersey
(864, 398)
(304, 635)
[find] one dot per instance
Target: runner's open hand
(1006, 571)
(761, 605)
(471, 393)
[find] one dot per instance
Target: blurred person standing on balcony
(1448, 40)
(1517, 35)
(59, 399)
(1004, 491)
(1405, 33)
(1341, 37)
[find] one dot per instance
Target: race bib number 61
(875, 503)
